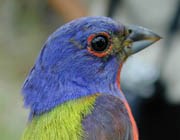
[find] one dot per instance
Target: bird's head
(81, 58)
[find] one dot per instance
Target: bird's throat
(118, 76)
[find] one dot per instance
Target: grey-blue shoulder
(108, 121)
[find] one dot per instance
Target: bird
(73, 90)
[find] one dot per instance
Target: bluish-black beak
(139, 38)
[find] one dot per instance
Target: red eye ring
(96, 37)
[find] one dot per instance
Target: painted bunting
(73, 90)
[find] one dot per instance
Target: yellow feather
(62, 122)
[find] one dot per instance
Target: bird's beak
(138, 38)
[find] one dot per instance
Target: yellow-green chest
(62, 122)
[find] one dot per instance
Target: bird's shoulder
(109, 120)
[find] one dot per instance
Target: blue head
(79, 59)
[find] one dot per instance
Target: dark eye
(99, 43)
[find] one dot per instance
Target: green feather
(62, 122)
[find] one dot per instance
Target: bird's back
(96, 117)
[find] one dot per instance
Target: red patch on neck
(118, 76)
(133, 123)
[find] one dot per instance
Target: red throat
(118, 76)
(134, 127)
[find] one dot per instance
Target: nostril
(129, 31)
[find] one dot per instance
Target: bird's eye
(99, 44)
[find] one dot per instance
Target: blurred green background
(25, 25)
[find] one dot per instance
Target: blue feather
(65, 70)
